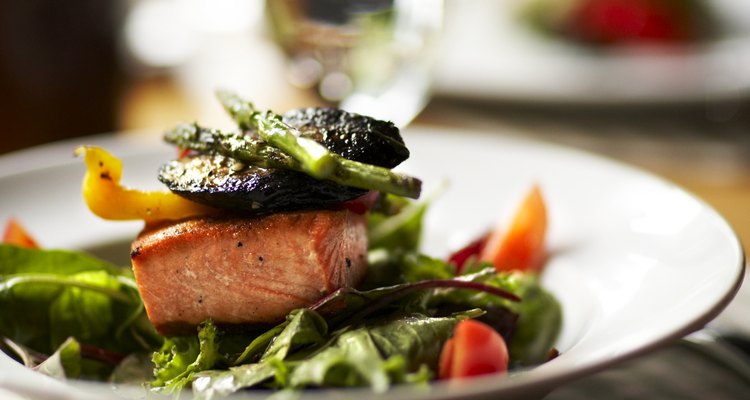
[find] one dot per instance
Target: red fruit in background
(630, 21)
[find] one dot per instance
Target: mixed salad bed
(413, 319)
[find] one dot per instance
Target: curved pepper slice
(108, 199)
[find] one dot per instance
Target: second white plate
(489, 54)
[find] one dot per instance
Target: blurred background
(661, 84)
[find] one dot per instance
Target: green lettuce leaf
(352, 360)
(47, 296)
(182, 356)
(417, 338)
(539, 323)
(305, 328)
(82, 313)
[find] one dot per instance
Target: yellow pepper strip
(108, 199)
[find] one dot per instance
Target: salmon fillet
(245, 271)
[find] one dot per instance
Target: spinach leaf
(302, 327)
(416, 337)
(16, 260)
(539, 323)
(47, 296)
(258, 345)
(305, 328)
(352, 360)
(82, 313)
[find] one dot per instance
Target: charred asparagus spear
(235, 145)
(282, 147)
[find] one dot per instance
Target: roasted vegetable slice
(230, 184)
(318, 161)
(309, 158)
(352, 136)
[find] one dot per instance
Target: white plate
(488, 53)
(635, 261)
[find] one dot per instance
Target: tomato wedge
(520, 247)
(16, 234)
(475, 349)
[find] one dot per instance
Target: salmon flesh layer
(245, 271)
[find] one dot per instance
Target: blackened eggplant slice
(356, 137)
(229, 184)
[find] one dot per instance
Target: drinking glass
(372, 57)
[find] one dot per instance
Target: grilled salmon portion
(245, 271)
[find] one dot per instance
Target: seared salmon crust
(245, 271)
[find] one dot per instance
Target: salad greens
(49, 296)
(86, 314)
